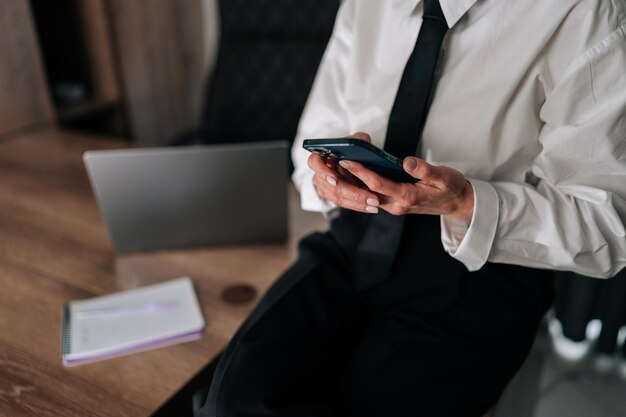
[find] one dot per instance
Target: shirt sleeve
(571, 214)
(325, 112)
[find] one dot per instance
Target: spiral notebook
(130, 321)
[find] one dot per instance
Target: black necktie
(377, 250)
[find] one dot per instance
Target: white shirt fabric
(530, 106)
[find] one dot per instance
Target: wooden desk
(54, 248)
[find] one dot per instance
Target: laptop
(167, 198)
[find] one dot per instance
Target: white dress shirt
(530, 106)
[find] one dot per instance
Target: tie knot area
(432, 10)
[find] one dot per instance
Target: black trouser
(432, 340)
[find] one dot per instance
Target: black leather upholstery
(268, 55)
(581, 299)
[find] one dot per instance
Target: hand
(442, 190)
(338, 186)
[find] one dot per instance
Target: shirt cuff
(311, 201)
(470, 243)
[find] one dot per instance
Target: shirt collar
(453, 10)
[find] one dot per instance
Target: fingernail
(331, 180)
(371, 209)
(344, 164)
(372, 202)
(410, 164)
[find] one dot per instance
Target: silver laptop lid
(162, 198)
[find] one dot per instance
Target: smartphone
(361, 151)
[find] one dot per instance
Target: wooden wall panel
(24, 98)
(160, 48)
(95, 28)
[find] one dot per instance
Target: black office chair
(269, 51)
(268, 55)
(582, 299)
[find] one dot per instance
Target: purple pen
(152, 307)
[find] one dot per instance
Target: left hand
(441, 190)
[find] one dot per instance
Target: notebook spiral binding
(66, 332)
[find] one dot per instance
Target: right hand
(338, 186)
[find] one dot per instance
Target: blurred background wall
(132, 68)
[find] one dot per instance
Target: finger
(399, 210)
(361, 135)
(372, 180)
(394, 208)
(422, 170)
(347, 195)
(322, 188)
(353, 205)
(317, 164)
(339, 171)
(330, 163)
(327, 193)
(349, 177)
(342, 173)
